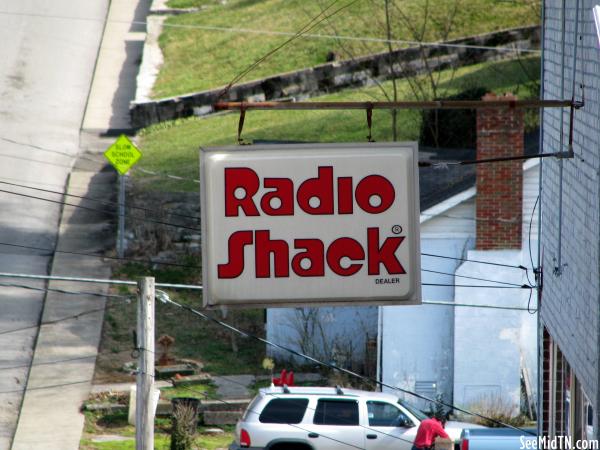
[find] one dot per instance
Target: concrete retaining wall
(337, 75)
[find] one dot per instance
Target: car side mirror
(404, 422)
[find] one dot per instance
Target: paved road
(47, 59)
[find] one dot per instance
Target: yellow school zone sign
(123, 154)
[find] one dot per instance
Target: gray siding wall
(571, 301)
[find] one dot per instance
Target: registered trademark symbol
(396, 229)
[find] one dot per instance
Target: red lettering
(345, 199)
(341, 248)
(315, 251)
(284, 193)
(375, 185)
(235, 265)
(264, 247)
(374, 194)
(320, 188)
(345, 256)
(247, 180)
(386, 254)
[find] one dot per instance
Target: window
(383, 414)
(284, 410)
(413, 410)
(336, 412)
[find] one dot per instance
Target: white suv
(325, 418)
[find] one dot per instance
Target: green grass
(189, 3)
(201, 391)
(161, 442)
(172, 147)
(116, 424)
(195, 338)
(196, 59)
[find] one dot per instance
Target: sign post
(310, 225)
(123, 155)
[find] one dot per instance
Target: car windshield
(413, 410)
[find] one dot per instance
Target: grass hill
(172, 147)
(200, 55)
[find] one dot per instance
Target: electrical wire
(95, 280)
(348, 422)
(95, 255)
(48, 363)
(523, 286)
(52, 322)
(40, 388)
(97, 200)
(311, 24)
(357, 38)
(281, 33)
(475, 261)
(62, 291)
(332, 366)
(471, 278)
(446, 164)
(113, 213)
(187, 266)
(62, 319)
(529, 235)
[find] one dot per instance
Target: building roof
(438, 184)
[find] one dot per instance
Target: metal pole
(144, 412)
(539, 324)
(418, 105)
(121, 233)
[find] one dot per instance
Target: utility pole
(144, 412)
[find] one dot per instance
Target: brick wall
(499, 208)
(571, 295)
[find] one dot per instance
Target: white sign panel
(299, 225)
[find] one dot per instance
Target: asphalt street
(47, 59)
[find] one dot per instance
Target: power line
(113, 213)
(356, 38)
(277, 396)
(60, 291)
(95, 255)
(283, 33)
(37, 147)
(39, 388)
(199, 287)
(97, 200)
(48, 363)
(95, 280)
(523, 286)
(472, 305)
(346, 422)
(165, 299)
(165, 175)
(446, 164)
(471, 278)
(187, 266)
(306, 28)
(132, 283)
(99, 160)
(475, 261)
(52, 322)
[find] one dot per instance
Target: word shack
(301, 225)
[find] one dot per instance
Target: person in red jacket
(427, 432)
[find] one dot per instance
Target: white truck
(498, 439)
(327, 418)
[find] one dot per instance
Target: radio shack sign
(295, 225)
